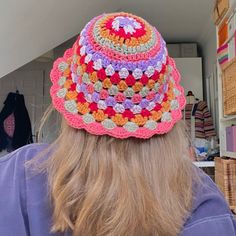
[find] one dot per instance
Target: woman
(121, 164)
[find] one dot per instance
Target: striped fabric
(223, 54)
(204, 127)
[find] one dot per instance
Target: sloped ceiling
(177, 20)
(29, 28)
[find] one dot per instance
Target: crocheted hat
(118, 80)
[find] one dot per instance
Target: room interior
(40, 33)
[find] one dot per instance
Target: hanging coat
(22, 135)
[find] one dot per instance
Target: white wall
(29, 28)
(209, 52)
(191, 75)
(209, 48)
(29, 80)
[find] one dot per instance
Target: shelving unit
(224, 121)
(228, 118)
(229, 154)
(204, 163)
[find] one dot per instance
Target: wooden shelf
(228, 118)
(228, 154)
(204, 163)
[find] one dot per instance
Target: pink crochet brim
(76, 121)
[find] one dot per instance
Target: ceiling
(177, 20)
(32, 27)
(29, 28)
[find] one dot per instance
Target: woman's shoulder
(24, 200)
(210, 214)
(24, 153)
(14, 172)
(14, 163)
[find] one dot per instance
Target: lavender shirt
(25, 208)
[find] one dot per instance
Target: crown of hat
(118, 79)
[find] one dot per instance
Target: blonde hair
(102, 186)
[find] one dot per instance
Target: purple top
(25, 208)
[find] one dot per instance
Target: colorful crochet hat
(118, 80)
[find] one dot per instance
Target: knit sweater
(204, 127)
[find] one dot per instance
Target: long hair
(103, 186)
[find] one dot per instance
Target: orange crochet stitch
(119, 119)
(83, 108)
(99, 115)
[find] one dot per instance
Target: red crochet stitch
(130, 80)
(158, 107)
(115, 78)
(155, 76)
(78, 48)
(89, 68)
(80, 97)
(165, 98)
(110, 111)
(128, 114)
(145, 113)
(121, 33)
(73, 87)
(82, 60)
(101, 74)
(93, 106)
(144, 79)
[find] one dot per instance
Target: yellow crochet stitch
(68, 83)
(156, 115)
(71, 95)
(107, 83)
(137, 87)
(93, 77)
(165, 106)
(99, 115)
(139, 120)
(66, 72)
(83, 108)
(122, 86)
(119, 119)
(151, 84)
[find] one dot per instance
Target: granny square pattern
(118, 80)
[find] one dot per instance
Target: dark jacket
(15, 103)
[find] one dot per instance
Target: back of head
(106, 186)
(120, 165)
